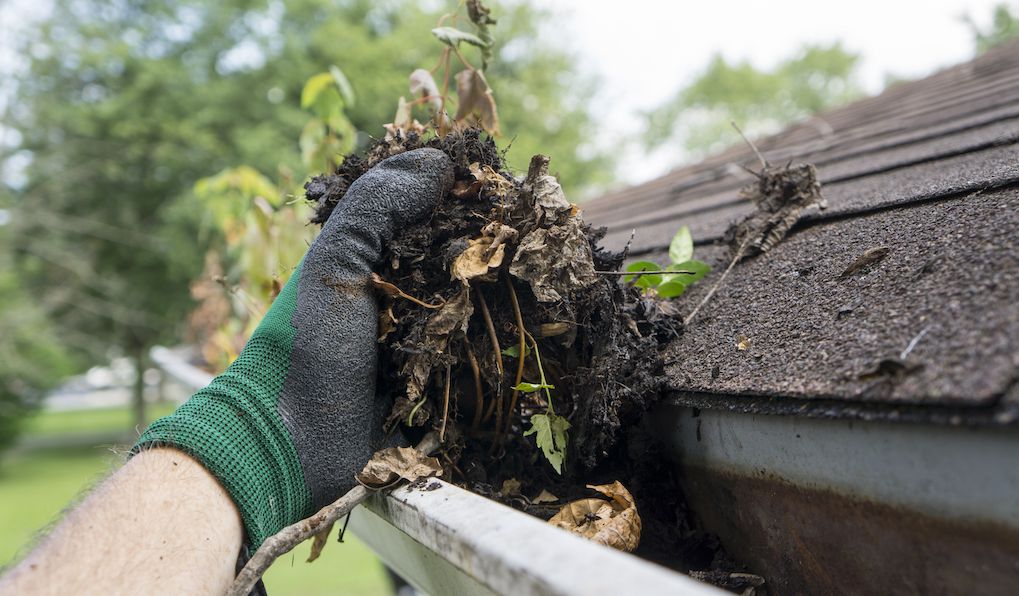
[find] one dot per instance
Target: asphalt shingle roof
(928, 170)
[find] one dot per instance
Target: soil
(493, 241)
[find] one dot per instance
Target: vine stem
(490, 326)
(479, 394)
(445, 407)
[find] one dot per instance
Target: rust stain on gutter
(811, 541)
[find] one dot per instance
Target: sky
(644, 51)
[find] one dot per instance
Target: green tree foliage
(32, 354)
(759, 101)
(1004, 26)
(121, 107)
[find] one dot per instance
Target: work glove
(291, 421)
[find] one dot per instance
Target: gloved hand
(291, 421)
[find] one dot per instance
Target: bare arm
(160, 525)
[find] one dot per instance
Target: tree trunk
(138, 395)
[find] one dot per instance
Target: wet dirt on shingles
(599, 342)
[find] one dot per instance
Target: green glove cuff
(234, 428)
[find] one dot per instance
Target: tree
(122, 106)
(1003, 27)
(32, 353)
(759, 101)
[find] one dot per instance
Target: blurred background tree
(699, 116)
(1003, 27)
(121, 107)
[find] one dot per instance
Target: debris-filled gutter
(445, 540)
(823, 506)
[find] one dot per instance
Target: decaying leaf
(475, 260)
(613, 523)
(742, 343)
(492, 182)
(544, 497)
(476, 101)
(866, 261)
(556, 261)
(387, 466)
(319, 542)
(544, 191)
(423, 85)
(510, 488)
(387, 322)
(552, 329)
(781, 195)
(452, 317)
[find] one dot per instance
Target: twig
(711, 292)
(913, 342)
(391, 289)
(490, 327)
(289, 537)
(479, 395)
(520, 359)
(445, 407)
(764, 162)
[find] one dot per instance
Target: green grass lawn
(36, 485)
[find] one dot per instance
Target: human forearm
(161, 524)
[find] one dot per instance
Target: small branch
(445, 407)
(764, 162)
(289, 537)
(490, 327)
(711, 292)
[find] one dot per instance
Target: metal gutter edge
(847, 506)
(446, 540)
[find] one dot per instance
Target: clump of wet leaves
(496, 329)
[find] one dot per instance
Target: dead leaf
(510, 488)
(476, 101)
(387, 322)
(866, 261)
(613, 523)
(475, 260)
(556, 261)
(390, 465)
(546, 195)
(781, 195)
(452, 317)
(742, 343)
(319, 542)
(423, 85)
(491, 180)
(544, 497)
(552, 329)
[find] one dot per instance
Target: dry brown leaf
(423, 85)
(491, 180)
(387, 466)
(544, 497)
(510, 488)
(319, 542)
(742, 343)
(552, 329)
(613, 523)
(475, 261)
(475, 100)
(387, 322)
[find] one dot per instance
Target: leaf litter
(506, 265)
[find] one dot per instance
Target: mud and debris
(780, 195)
(493, 314)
